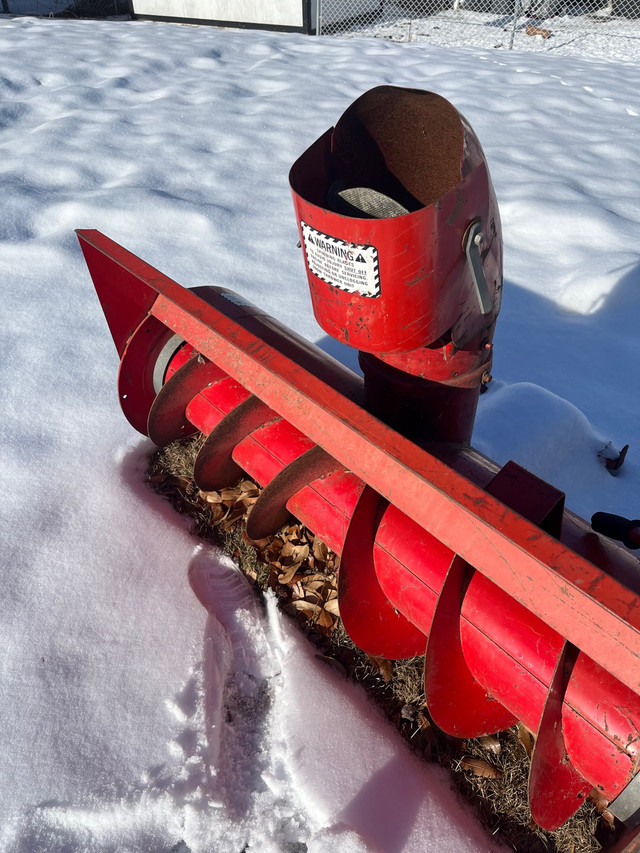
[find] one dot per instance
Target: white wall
(277, 13)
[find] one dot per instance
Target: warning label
(349, 266)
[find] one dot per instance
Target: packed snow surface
(148, 703)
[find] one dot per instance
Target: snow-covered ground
(599, 29)
(133, 717)
(559, 28)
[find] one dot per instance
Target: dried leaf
(491, 744)
(292, 553)
(602, 807)
(210, 497)
(320, 550)
(273, 577)
(480, 767)
(324, 619)
(248, 488)
(532, 30)
(233, 517)
(229, 496)
(297, 590)
(259, 544)
(332, 606)
(317, 578)
(423, 721)
(218, 513)
(306, 607)
(292, 531)
(526, 738)
(288, 574)
(272, 553)
(384, 666)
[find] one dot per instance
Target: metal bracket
(626, 806)
(472, 241)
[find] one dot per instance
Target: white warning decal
(349, 266)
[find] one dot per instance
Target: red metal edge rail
(575, 597)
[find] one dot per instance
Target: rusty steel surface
(215, 467)
(556, 789)
(167, 419)
(629, 843)
(384, 141)
(457, 702)
(593, 611)
(270, 513)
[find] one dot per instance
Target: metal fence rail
(592, 25)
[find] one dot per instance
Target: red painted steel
(593, 611)
(415, 296)
(494, 660)
(369, 618)
(457, 701)
(513, 655)
(526, 615)
(215, 466)
(556, 789)
(167, 420)
(401, 237)
(136, 389)
(270, 513)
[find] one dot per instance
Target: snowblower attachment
(526, 614)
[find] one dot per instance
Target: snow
(565, 29)
(147, 702)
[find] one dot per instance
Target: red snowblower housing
(403, 249)
(525, 613)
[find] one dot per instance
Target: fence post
(516, 15)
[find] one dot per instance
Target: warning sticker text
(349, 266)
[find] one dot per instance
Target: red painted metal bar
(593, 611)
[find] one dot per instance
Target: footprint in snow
(239, 663)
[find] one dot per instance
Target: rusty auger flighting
(526, 614)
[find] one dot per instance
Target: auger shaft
(503, 643)
(415, 529)
(592, 610)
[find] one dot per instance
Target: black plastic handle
(617, 527)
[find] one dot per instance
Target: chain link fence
(588, 27)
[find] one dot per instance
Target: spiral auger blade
(520, 606)
(167, 420)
